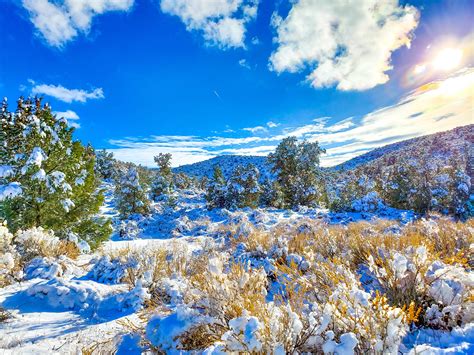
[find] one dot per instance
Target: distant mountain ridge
(441, 143)
(457, 138)
(227, 163)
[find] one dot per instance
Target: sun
(447, 59)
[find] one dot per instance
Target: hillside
(459, 138)
(227, 163)
(440, 144)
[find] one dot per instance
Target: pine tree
(298, 173)
(59, 187)
(163, 182)
(272, 194)
(130, 195)
(243, 189)
(216, 190)
(104, 164)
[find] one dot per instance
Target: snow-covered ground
(64, 307)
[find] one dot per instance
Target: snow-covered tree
(104, 163)
(163, 182)
(272, 194)
(183, 181)
(47, 178)
(216, 190)
(243, 189)
(298, 172)
(460, 188)
(130, 195)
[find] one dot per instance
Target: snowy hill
(227, 163)
(440, 143)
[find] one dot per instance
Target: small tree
(183, 181)
(216, 190)
(460, 188)
(298, 173)
(163, 182)
(130, 196)
(56, 185)
(104, 163)
(243, 189)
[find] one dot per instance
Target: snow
(10, 190)
(460, 340)
(63, 305)
(346, 346)
(35, 159)
(162, 331)
(6, 171)
(243, 330)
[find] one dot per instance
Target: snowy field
(108, 301)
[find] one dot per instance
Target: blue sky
(200, 78)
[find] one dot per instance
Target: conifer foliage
(216, 189)
(298, 172)
(105, 164)
(241, 190)
(163, 182)
(130, 194)
(47, 178)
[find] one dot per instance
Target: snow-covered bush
(214, 299)
(88, 297)
(452, 289)
(36, 242)
(400, 274)
(9, 258)
(48, 268)
(368, 203)
(129, 229)
(241, 190)
(309, 287)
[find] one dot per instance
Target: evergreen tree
(105, 164)
(243, 189)
(272, 194)
(163, 182)
(59, 187)
(130, 195)
(183, 181)
(461, 185)
(216, 190)
(298, 173)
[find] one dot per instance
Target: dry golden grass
(34, 248)
(335, 255)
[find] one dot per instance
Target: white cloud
(75, 125)
(254, 130)
(434, 107)
(68, 115)
(343, 43)
(221, 22)
(61, 21)
(243, 63)
(272, 124)
(67, 95)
